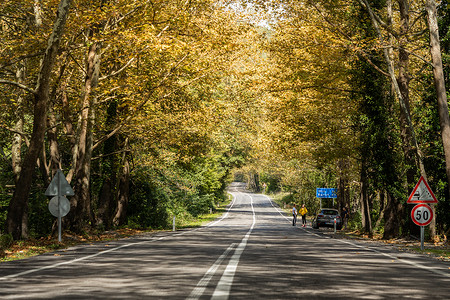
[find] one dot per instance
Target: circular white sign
(59, 210)
(422, 214)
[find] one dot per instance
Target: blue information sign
(326, 193)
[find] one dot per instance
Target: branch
(22, 134)
(118, 71)
(77, 63)
(377, 19)
(364, 55)
(19, 85)
(109, 154)
(14, 61)
(416, 55)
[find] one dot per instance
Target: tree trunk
(364, 198)
(439, 82)
(16, 144)
(19, 201)
(123, 191)
(403, 84)
(80, 214)
(68, 128)
(55, 159)
(343, 188)
(382, 206)
(107, 199)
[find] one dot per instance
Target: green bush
(6, 178)
(288, 199)
(354, 223)
(6, 241)
(198, 205)
(147, 206)
(40, 220)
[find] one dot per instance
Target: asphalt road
(252, 252)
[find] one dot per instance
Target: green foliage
(147, 206)
(273, 182)
(6, 179)
(183, 190)
(6, 240)
(197, 205)
(40, 219)
(380, 151)
(354, 222)
(288, 199)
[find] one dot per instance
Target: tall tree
(20, 198)
(439, 82)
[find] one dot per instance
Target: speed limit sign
(422, 214)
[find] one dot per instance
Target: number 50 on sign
(422, 214)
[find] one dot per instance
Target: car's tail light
(320, 216)
(338, 217)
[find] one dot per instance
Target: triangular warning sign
(422, 193)
(59, 186)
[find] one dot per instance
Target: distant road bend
(251, 252)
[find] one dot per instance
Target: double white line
(223, 288)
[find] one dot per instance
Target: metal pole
(59, 226)
(59, 209)
(334, 225)
(173, 229)
(422, 237)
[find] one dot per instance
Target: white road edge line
(438, 272)
(405, 261)
(276, 208)
(223, 288)
(225, 215)
(103, 252)
(198, 291)
(72, 261)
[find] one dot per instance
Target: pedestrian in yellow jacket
(302, 211)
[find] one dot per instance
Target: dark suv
(325, 218)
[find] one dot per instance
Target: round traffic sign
(422, 214)
(61, 209)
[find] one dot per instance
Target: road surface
(251, 252)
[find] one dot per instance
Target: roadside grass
(31, 247)
(439, 253)
(206, 218)
(278, 199)
(439, 250)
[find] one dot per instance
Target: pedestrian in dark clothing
(344, 215)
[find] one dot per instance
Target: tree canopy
(150, 107)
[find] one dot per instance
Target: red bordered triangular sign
(422, 193)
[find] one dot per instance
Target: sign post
(59, 206)
(422, 214)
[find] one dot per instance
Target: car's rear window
(329, 212)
